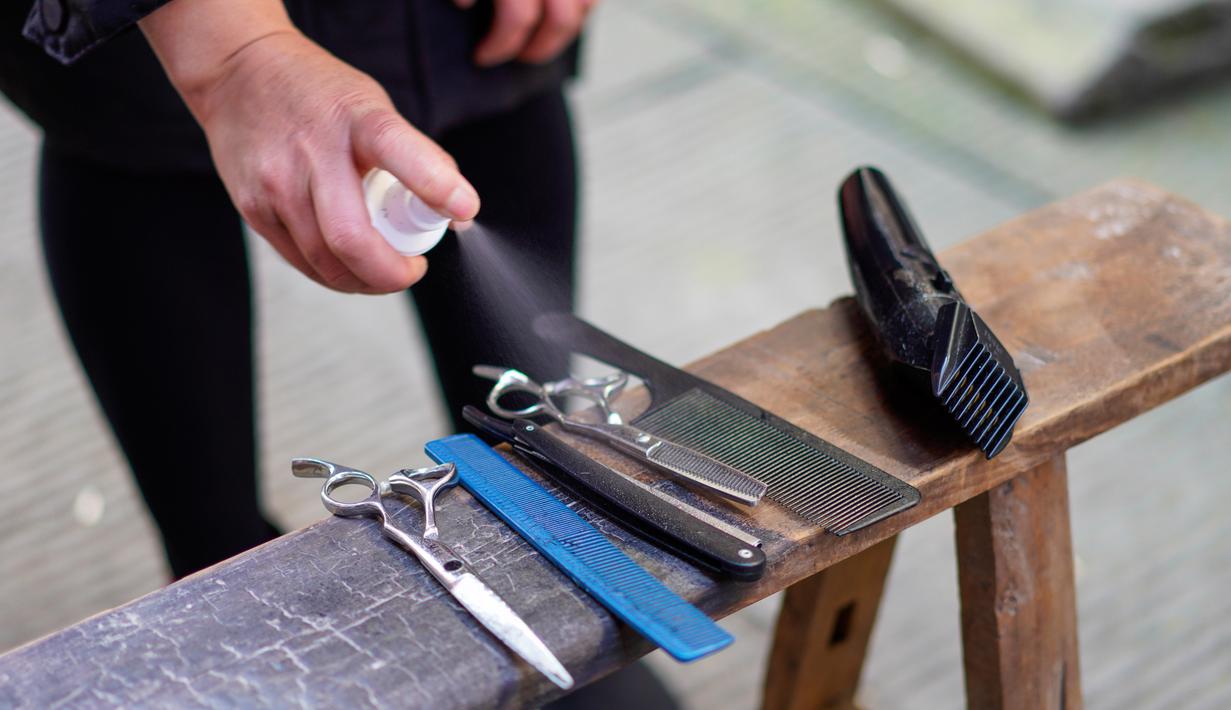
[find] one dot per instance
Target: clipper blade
(975, 379)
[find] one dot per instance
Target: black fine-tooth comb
(807, 475)
(923, 322)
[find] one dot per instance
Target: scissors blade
(506, 625)
(707, 472)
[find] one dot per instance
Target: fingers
(283, 214)
(561, 22)
(263, 218)
(346, 231)
(312, 212)
(304, 245)
(512, 24)
(273, 231)
(385, 139)
(300, 222)
(531, 30)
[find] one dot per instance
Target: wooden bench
(1112, 302)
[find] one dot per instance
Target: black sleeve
(67, 29)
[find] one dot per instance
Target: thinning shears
(442, 562)
(676, 459)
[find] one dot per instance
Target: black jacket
(115, 104)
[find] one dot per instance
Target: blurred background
(714, 134)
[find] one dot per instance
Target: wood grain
(1112, 302)
(823, 631)
(1019, 610)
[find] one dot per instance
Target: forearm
(195, 40)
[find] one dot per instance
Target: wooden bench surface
(1111, 302)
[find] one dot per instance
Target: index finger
(387, 141)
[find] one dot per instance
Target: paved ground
(714, 133)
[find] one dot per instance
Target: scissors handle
(599, 390)
(337, 476)
(424, 484)
(368, 507)
(510, 381)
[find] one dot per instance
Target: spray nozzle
(404, 220)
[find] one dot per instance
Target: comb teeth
(823, 488)
(984, 399)
(580, 550)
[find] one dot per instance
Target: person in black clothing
(279, 111)
(143, 241)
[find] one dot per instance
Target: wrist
(197, 40)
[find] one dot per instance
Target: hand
(532, 31)
(291, 130)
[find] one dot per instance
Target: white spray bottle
(404, 220)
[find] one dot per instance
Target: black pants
(152, 279)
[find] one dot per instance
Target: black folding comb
(807, 475)
(923, 322)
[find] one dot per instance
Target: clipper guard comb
(921, 319)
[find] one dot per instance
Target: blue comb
(581, 551)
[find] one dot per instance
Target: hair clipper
(921, 319)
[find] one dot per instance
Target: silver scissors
(681, 461)
(450, 570)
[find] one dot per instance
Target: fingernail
(463, 202)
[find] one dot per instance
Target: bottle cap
(404, 220)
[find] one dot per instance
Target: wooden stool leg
(1019, 607)
(823, 632)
